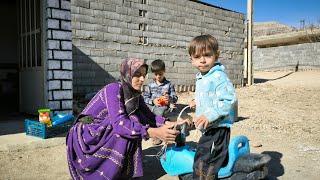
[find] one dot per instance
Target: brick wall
(105, 32)
(59, 55)
(306, 55)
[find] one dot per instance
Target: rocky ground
(280, 115)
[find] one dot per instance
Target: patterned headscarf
(131, 96)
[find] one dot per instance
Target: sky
(289, 12)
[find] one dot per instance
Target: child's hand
(166, 98)
(156, 102)
(161, 101)
(192, 104)
(201, 122)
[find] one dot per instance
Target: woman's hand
(166, 133)
(169, 123)
(182, 121)
(178, 122)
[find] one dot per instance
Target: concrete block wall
(105, 32)
(306, 56)
(59, 55)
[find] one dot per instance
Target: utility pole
(249, 41)
(302, 24)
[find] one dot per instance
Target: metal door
(31, 66)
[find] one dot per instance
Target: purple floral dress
(110, 146)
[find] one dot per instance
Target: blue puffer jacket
(215, 97)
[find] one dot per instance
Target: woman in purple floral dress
(109, 147)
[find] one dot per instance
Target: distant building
(280, 47)
(55, 50)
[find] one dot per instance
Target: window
(29, 34)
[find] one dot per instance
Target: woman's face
(138, 78)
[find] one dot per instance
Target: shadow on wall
(275, 168)
(89, 76)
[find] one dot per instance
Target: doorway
(21, 62)
(9, 63)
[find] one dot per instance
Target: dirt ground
(280, 115)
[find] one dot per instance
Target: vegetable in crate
(44, 117)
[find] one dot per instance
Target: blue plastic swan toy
(179, 160)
